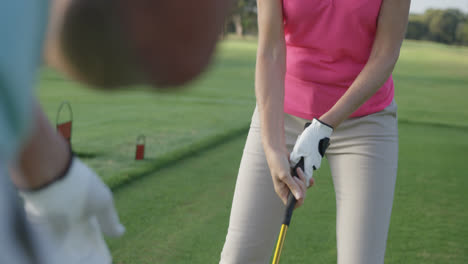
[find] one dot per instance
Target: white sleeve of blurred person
(67, 204)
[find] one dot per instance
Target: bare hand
(283, 180)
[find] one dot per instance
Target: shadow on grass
(172, 158)
(86, 155)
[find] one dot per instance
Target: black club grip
(291, 199)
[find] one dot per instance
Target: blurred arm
(392, 22)
(44, 156)
(110, 43)
(83, 42)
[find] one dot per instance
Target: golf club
(289, 210)
(287, 216)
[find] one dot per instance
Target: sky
(419, 6)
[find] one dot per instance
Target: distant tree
(243, 17)
(443, 24)
(429, 14)
(416, 29)
(462, 34)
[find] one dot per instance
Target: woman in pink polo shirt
(329, 62)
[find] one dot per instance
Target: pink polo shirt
(328, 43)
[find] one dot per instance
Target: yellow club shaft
(279, 245)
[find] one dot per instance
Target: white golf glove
(71, 214)
(311, 145)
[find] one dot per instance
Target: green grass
(177, 212)
(430, 216)
(178, 215)
(432, 83)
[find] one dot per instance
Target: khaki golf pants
(363, 158)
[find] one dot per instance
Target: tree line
(448, 26)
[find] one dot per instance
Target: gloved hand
(72, 213)
(311, 145)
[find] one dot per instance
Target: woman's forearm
(372, 77)
(269, 74)
(269, 89)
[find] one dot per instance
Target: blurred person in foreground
(102, 43)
